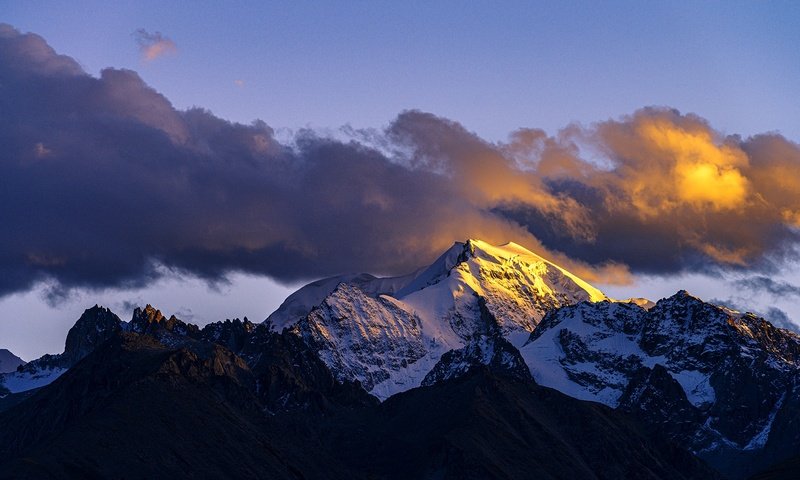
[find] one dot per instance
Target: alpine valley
(492, 362)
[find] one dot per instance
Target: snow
(600, 328)
(409, 377)
(696, 384)
(760, 439)
(298, 304)
(362, 323)
(17, 382)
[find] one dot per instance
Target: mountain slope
(713, 379)
(199, 404)
(203, 406)
(484, 425)
(94, 326)
(8, 361)
(390, 343)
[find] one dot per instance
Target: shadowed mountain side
(786, 470)
(137, 409)
(484, 425)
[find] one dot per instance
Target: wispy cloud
(776, 288)
(774, 315)
(154, 45)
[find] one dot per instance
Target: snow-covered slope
(390, 342)
(363, 338)
(518, 288)
(731, 370)
(298, 304)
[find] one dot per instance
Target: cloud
(153, 45)
(106, 184)
(773, 315)
(767, 285)
(666, 193)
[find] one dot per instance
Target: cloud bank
(106, 184)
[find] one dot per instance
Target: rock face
(94, 327)
(486, 352)
(362, 338)
(711, 378)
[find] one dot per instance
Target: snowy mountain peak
(512, 255)
(518, 288)
(389, 334)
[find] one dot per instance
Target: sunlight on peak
(511, 250)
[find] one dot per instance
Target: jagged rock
(655, 397)
(94, 327)
(233, 334)
(492, 352)
(202, 404)
(152, 321)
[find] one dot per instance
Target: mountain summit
(390, 333)
(8, 361)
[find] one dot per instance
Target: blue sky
(493, 67)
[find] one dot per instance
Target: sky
(209, 158)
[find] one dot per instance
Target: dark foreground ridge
(164, 405)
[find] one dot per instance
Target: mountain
(786, 470)
(204, 405)
(487, 425)
(96, 325)
(136, 408)
(389, 342)
(8, 361)
(387, 334)
(721, 382)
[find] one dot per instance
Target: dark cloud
(779, 318)
(666, 194)
(764, 284)
(131, 305)
(106, 184)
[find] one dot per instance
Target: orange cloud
(154, 45)
(704, 173)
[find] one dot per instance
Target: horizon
(535, 125)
